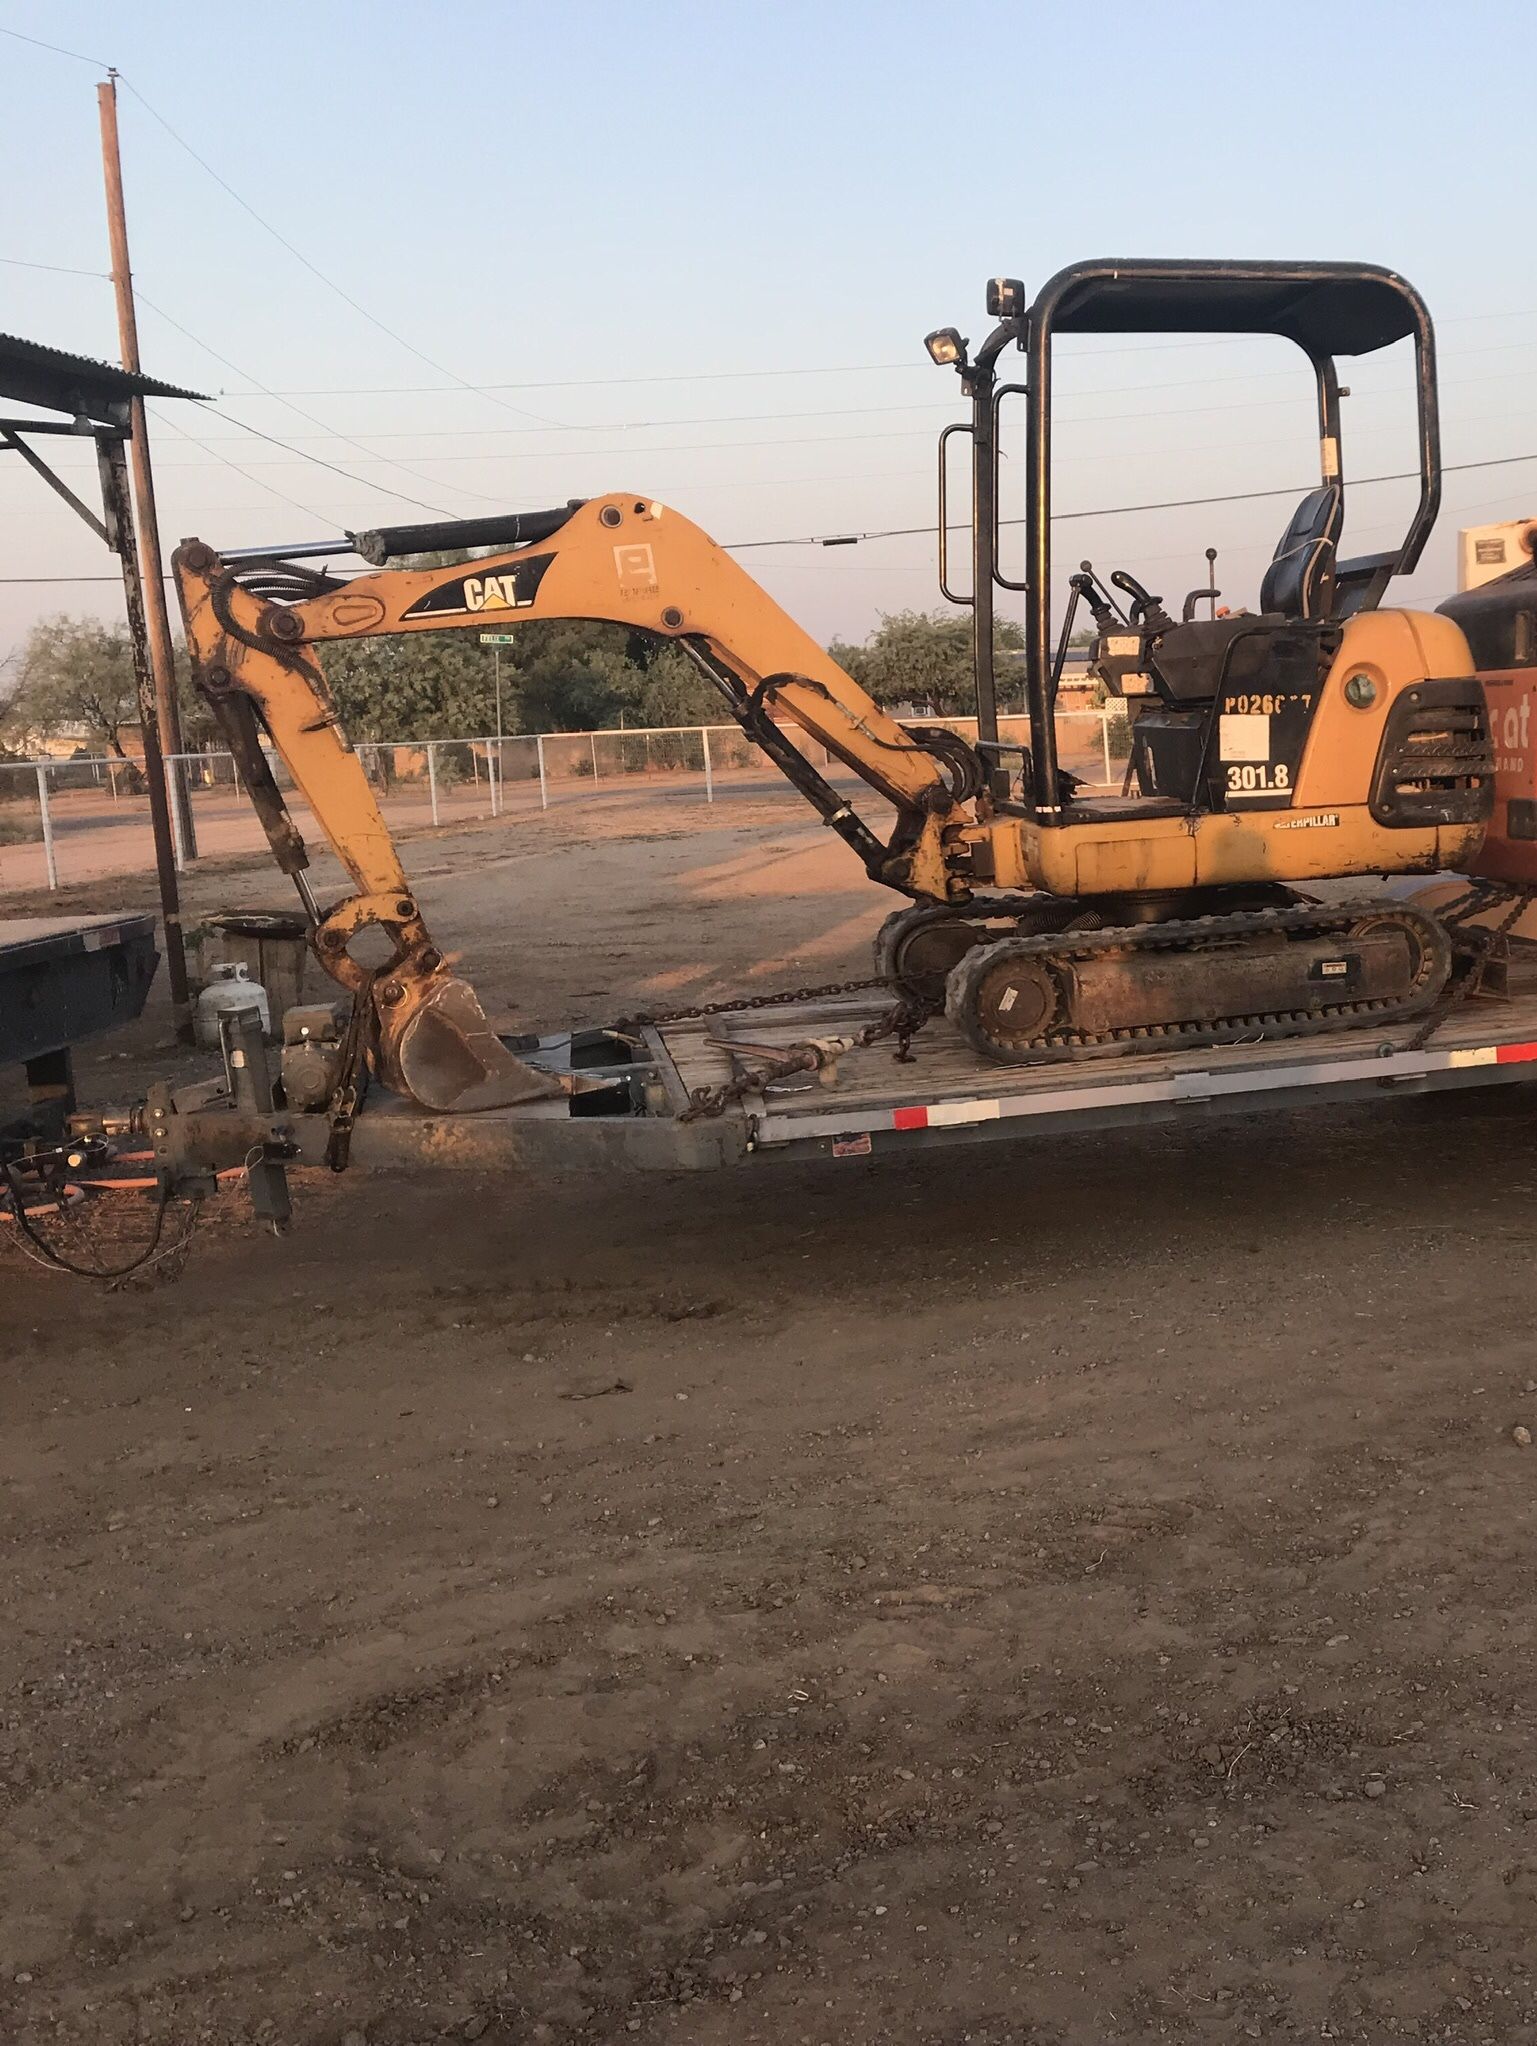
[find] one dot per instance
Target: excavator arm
(252, 629)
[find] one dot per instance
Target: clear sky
(691, 250)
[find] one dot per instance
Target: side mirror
(1005, 298)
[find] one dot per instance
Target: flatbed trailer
(874, 1105)
(62, 980)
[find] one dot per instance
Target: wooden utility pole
(162, 658)
(117, 504)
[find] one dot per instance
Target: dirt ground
(1048, 1595)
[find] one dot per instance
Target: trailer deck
(872, 1105)
(947, 1091)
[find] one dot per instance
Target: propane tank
(229, 988)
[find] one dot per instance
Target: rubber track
(1212, 933)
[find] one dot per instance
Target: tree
(79, 672)
(922, 658)
(663, 687)
(418, 686)
(583, 677)
(559, 675)
(75, 671)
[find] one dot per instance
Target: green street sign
(498, 639)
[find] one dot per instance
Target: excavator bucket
(445, 1054)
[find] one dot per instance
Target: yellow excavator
(1319, 738)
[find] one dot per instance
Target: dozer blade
(446, 1055)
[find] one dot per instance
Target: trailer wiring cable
(34, 1245)
(69, 1195)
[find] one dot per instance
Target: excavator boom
(253, 629)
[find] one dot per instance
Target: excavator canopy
(1326, 308)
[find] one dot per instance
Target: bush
(20, 825)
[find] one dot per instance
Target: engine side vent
(1436, 762)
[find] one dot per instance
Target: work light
(945, 347)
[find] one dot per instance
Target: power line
(858, 412)
(58, 269)
(320, 462)
(441, 368)
(843, 411)
(907, 532)
(568, 454)
(308, 510)
(810, 369)
(632, 425)
(1110, 511)
(461, 383)
(315, 270)
(330, 432)
(703, 376)
(38, 44)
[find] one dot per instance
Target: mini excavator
(1320, 738)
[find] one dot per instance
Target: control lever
(1147, 611)
(1102, 606)
(1080, 588)
(1211, 593)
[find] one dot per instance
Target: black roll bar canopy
(1326, 309)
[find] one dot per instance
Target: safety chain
(1477, 945)
(630, 1026)
(902, 1021)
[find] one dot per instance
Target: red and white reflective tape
(1494, 1055)
(1124, 1089)
(945, 1115)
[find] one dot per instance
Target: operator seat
(1299, 583)
(1191, 660)
(1280, 648)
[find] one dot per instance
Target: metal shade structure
(96, 400)
(31, 373)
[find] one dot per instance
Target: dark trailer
(63, 979)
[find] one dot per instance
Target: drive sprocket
(919, 946)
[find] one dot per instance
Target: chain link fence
(69, 821)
